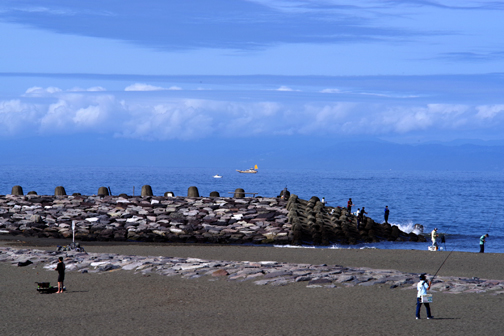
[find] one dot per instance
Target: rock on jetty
(189, 220)
(314, 222)
(261, 272)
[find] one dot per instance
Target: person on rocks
(422, 287)
(482, 243)
(360, 217)
(434, 237)
(61, 274)
(386, 214)
(349, 205)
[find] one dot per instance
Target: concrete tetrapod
(239, 193)
(59, 191)
(192, 192)
(103, 191)
(17, 190)
(146, 191)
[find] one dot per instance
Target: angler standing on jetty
(360, 217)
(482, 243)
(422, 287)
(349, 205)
(386, 214)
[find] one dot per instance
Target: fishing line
(449, 254)
(491, 223)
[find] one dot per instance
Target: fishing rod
(449, 254)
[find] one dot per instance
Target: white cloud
(331, 91)
(489, 111)
(91, 89)
(143, 87)
(148, 87)
(161, 117)
(17, 117)
(285, 88)
(41, 92)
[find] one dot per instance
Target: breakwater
(237, 220)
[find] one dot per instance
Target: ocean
(462, 205)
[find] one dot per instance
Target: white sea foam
(407, 227)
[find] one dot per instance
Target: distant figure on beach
(434, 237)
(387, 211)
(482, 243)
(422, 287)
(61, 274)
(323, 200)
(349, 206)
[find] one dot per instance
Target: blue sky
(159, 71)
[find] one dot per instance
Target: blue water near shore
(463, 205)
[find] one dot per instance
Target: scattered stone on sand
(261, 273)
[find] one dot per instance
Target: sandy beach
(121, 302)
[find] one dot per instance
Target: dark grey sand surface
(123, 303)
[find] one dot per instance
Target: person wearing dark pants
(360, 217)
(422, 287)
(61, 274)
(482, 243)
(386, 214)
(349, 206)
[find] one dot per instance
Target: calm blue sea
(463, 205)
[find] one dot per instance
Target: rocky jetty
(318, 224)
(261, 272)
(194, 219)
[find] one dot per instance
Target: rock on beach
(260, 273)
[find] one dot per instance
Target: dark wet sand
(124, 303)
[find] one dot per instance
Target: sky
(187, 73)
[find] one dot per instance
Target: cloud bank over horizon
(150, 113)
(412, 71)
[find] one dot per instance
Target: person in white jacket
(422, 287)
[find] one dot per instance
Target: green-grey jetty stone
(239, 193)
(147, 191)
(17, 190)
(214, 194)
(59, 191)
(103, 191)
(193, 192)
(32, 193)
